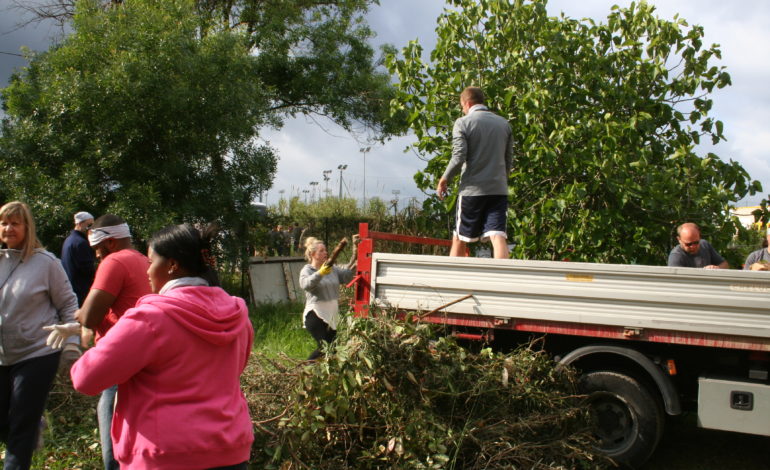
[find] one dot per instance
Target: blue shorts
(480, 217)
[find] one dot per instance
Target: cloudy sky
(308, 147)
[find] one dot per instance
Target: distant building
(746, 216)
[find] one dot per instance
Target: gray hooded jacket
(33, 293)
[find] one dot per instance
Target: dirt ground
(686, 447)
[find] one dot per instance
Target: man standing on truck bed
(693, 252)
(482, 146)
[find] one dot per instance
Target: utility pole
(395, 192)
(281, 205)
(364, 150)
(326, 180)
(341, 168)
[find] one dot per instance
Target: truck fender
(662, 381)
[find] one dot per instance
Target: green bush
(391, 395)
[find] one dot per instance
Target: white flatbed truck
(648, 340)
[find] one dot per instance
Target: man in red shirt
(121, 279)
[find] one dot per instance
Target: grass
(278, 330)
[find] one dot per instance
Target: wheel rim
(615, 422)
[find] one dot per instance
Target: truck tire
(628, 417)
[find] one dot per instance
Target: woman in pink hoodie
(177, 358)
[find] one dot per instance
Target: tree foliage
(135, 114)
(607, 118)
(313, 56)
(332, 219)
(152, 109)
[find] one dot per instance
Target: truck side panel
(727, 306)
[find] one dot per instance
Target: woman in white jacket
(321, 283)
(34, 292)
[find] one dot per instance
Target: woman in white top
(321, 283)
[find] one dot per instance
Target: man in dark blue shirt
(78, 258)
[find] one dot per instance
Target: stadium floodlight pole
(341, 168)
(395, 192)
(326, 180)
(365, 150)
(314, 185)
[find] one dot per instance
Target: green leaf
(592, 105)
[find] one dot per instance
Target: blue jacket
(79, 263)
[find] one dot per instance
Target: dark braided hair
(189, 247)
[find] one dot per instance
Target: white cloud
(751, 141)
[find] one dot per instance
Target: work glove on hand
(59, 333)
(324, 269)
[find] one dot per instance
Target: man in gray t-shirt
(482, 147)
(693, 252)
(761, 255)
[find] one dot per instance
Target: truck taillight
(671, 367)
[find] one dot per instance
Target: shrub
(392, 395)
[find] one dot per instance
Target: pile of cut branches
(392, 395)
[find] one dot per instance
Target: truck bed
(730, 305)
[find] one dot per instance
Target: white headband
(98, 235)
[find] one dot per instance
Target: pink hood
(204, 311)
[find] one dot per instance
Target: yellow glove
(324, 270)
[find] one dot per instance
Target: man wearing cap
(78, 258)
(121, 279)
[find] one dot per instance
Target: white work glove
(59, 333)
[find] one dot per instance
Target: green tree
(313, 56)
(153, 109)
(607, 119)
(136, 114)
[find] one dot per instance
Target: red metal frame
(363, 292)
(364, 262)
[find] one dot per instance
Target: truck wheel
(629, 419)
